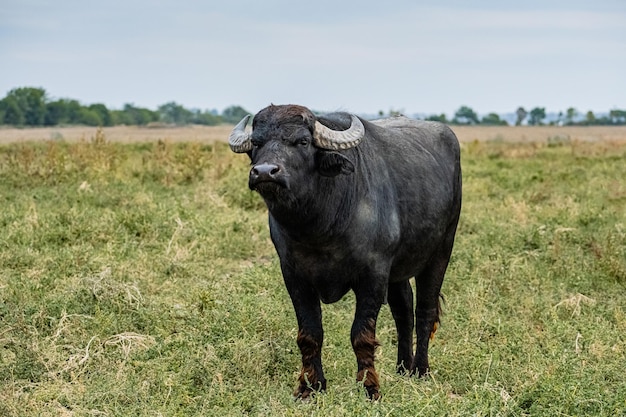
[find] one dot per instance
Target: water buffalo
(361, 206)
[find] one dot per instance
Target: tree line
(535, 117)
(31, 106)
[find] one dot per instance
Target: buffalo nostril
(265, 170)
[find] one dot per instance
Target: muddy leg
(311, 377)
(306, 303)
(363, 337)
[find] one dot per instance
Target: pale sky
(360, 56)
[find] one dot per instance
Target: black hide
(365, 219)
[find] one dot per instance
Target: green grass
(139, 279)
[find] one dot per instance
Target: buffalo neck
(320, 215)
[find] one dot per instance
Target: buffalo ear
(331, 164)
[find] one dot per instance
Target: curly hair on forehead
(286, 114)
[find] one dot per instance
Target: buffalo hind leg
(428, 287)
(400, 298)
(427, 323)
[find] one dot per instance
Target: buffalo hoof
(420, 372)
(306, 392)
(373, 393)
(401, 369)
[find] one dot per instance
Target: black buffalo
(361, 206)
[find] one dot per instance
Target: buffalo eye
(296, 141)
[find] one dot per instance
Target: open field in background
(139, 279)
(211, 134)
(118, 134)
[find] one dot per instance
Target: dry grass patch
(117, 134)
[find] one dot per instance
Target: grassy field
(139, 279)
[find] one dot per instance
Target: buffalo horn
(239, 139)
(327, 138)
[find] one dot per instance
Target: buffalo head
(289, 147)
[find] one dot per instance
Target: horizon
(580, 112)
(509, 116)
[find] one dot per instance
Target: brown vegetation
(122, 134)
(209, 134)
(541, 133)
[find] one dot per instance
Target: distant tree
(438, 118)
(537, 115)
(174, 113)
(138, 115)
(89, 117)
(10, 112)
(617, 117)
(602, 120)
(103, 113)
(32, 103)
(590, 118)
(465, 116)
(64, 111)
(492, 119)
(120, 117)
(520, 114)
(559, 119)
(570, 116)
(56, 113)
(207, 118)
(234, 114)
(73, 111)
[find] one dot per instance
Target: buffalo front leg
(310, 339)
(364, 343)
(311, 377)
